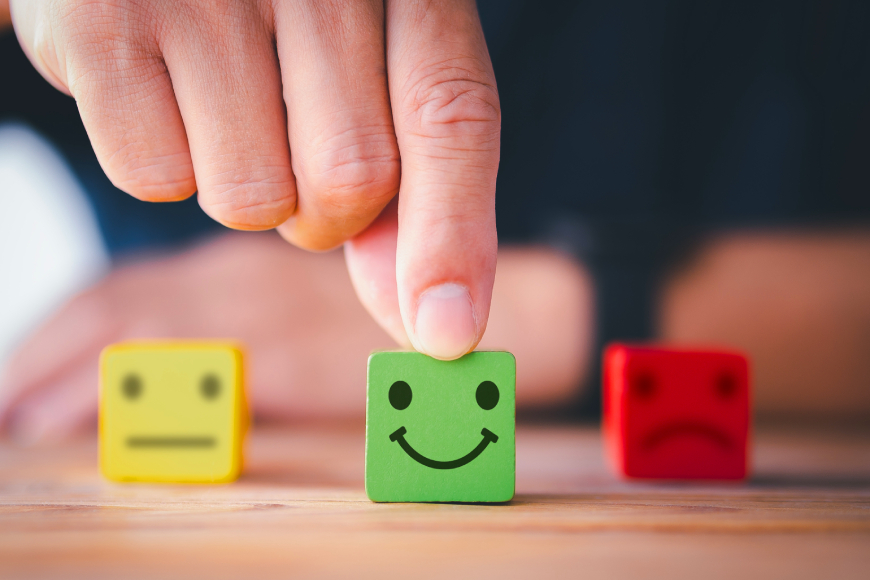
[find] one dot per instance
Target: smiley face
(171, 412)
(440, 431)
(400, 398)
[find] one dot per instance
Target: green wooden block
(441, 430)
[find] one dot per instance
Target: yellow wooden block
(172, 412)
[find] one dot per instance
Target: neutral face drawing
(171, 412)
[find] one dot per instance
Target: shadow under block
(441, 431)
(675, 414)
(172, 412)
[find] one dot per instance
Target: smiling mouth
(399, 435)
(671, 430)
(171, 442)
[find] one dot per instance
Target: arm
(798, 302)
(298, 316)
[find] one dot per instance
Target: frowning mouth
(171, 442)
(679, 429)
(488, 437)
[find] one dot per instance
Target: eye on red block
(675, 414)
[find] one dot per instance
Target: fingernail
(445, 327)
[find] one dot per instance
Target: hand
(306, 337)
(213, 96)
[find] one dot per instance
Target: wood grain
(300, 511)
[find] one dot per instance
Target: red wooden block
(675, 414)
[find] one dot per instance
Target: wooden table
(300, 511)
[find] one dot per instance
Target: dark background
(631, 130)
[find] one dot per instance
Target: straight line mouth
(171, 442)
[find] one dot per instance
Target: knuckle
(136, 169)
(157, 190)
(80, 34)
(355, 170)
(99, 27)
(250, 198)
(312, 241)
(449, 97)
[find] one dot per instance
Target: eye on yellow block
(172, 412)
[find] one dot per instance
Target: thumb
(371, 262)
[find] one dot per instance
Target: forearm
(543, 312)
(797, 302)
(307, 335)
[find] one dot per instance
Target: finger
(345, 155)
(37, 40)
(371, 262)
(73, 337)
(447, 117)
(225, 74)
(100, 54)
(60, 411)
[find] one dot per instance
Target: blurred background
(693, 173)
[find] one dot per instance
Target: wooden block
(675, 414)
(441, 431)
(172, 412)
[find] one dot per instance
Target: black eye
(644, 386)
(400, 395)
(132, 387)
(210, 387)
(487, 395)
(726, 385)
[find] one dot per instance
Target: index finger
(448, 121)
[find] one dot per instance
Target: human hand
(371, 97)
(306, 337)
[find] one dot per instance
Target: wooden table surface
(300, 511)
